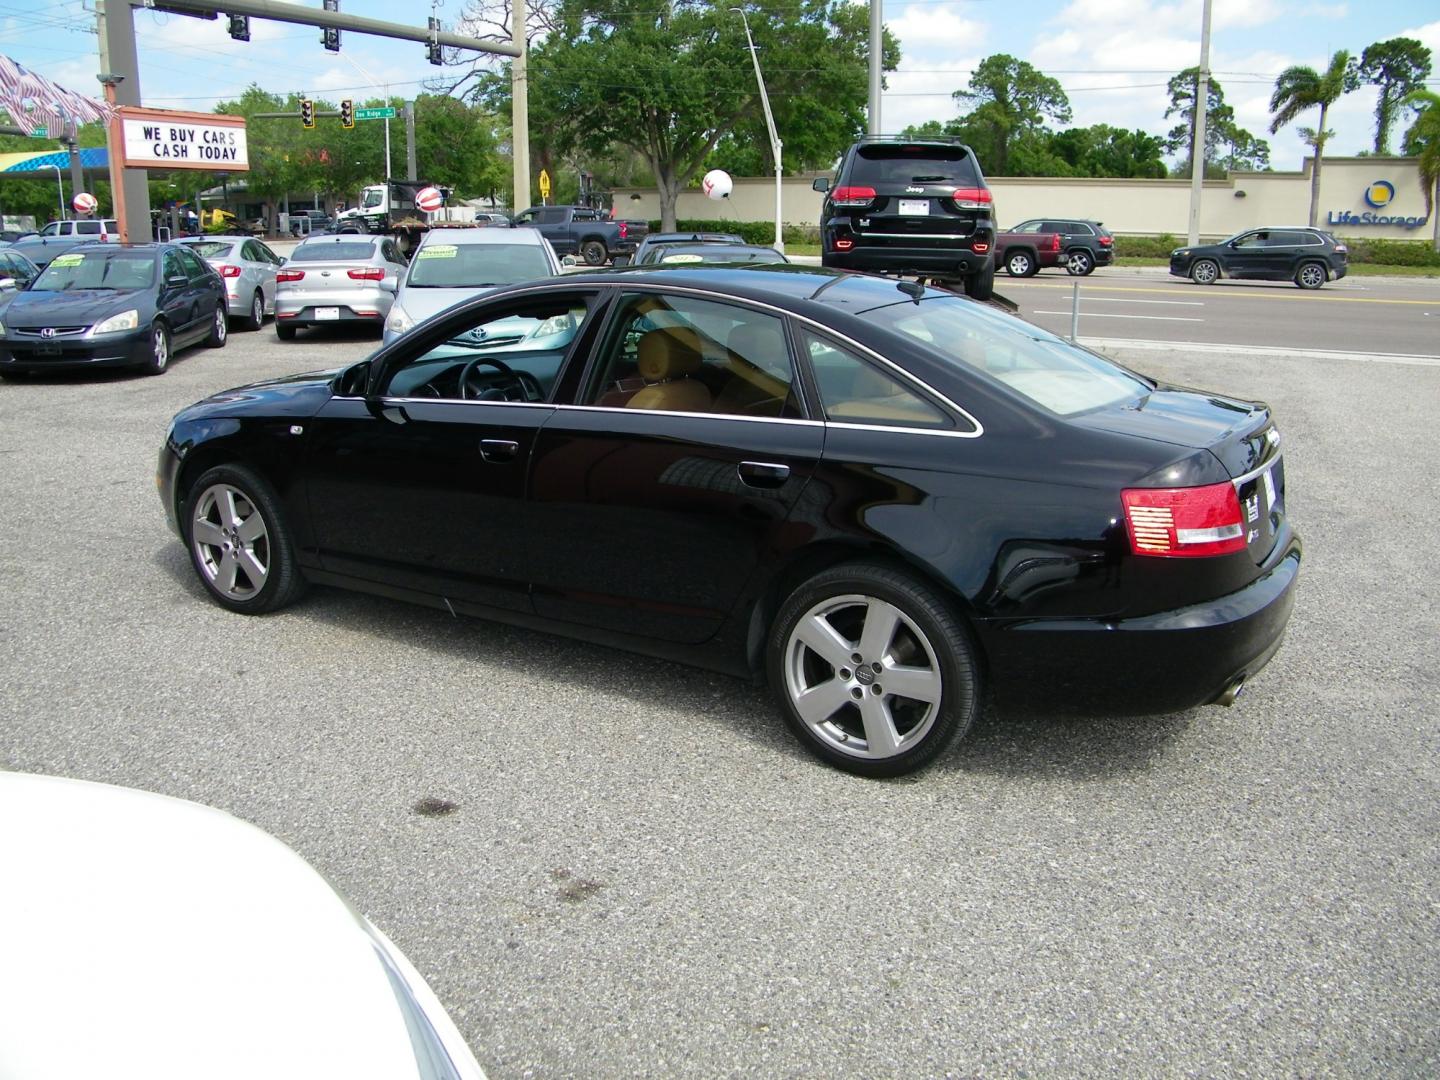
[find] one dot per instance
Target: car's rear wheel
(874, 674)
(283, 332)
(239, 543)
(1079, 263)
(594, 253)
(1204, 272)
(159, 358)
(1020, 264)
(1311, 276)
(981, 286)
(257, 312)
(219, 327)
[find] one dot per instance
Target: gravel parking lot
(645, 875)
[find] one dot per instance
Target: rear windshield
(349, 251)
(886, 165)
(210, 249)
(672, 255)
(457, 266)
(1051, 372)
(119, 270)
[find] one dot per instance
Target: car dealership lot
(643, 874)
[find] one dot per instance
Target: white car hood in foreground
(148, 937)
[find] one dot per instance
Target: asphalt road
(1355, 314)
(646, 877)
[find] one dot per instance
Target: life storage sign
(167, 139)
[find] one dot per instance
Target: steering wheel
(528, 386)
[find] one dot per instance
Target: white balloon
(717, 184)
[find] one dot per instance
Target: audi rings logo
(49, 331)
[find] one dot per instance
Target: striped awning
(92, 159)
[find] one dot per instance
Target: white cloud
(1428, 35)
(920, 90)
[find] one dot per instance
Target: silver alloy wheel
(872, 695)
(257, 311)
(1204, 272)
(1312, 276)
(1078, 263)
(160, 346)
(230, 541)
(1019, 264)
(222, 323)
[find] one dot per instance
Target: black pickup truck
(578, 230)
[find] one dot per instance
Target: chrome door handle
(763, 474)
(498, 450)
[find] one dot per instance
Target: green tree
(1299, 88)
(1398, 67)
(1227, 145)
(1009, 98)
(1423, 142)
(457, 144)
(1241, 150)
(1102, 150)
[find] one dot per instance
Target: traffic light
(307, 113)
(432, 50)
(240, 27)
(347, 113)
(330, 35)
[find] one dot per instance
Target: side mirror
(389, 284)
(8, 283)
(179, 281)
(820, 184)
(569, 260)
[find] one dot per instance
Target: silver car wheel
(1204, 272)
(1078, 263)
(222, 324)
(159, 347)
(1018, 265)
(863, 677)
(1312, 276)
(231, 542)
(257, 310)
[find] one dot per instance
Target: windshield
(210, 249)
(1048, 370)
(118, 270)
(888, 165)
(343, 251)
(372, 197)
(462, 266)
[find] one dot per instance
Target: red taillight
(1055, 241)
(624, 230)
(853, 196)
(289, 275)
(844, 245)
(228, 271)
(1341, 249)
(1106, 241)
(979, 248)
(367, 273)
(1184, 521)
(973, 198)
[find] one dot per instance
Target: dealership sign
(1380, 194)
(168, 139)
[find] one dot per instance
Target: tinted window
(194, 268)
(88, 228)
(677, 255)
(449, 266)
(892, 164)
(678, 354)
(348, 251)
(855, 391)
(53, 229)
(1051, 372)
(98, 270)
(1079, 228)
(210, 249)
(1252, 240)
(249, 252)
(551, 215)
(1028, 227)
(1291, 238)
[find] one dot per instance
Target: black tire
(271, 550)
(981, 286)
(219, 327)
(1079, 263)
(1204, 271)
(256, 318)
(927, 641)
(1020, 264)
(1311, 275)
(160, 347)
(283, 332)
(594, 252)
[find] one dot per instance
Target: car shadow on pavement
(999, 744)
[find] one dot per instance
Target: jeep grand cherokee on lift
(910, 206)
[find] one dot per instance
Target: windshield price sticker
(438, 251)
(67, 260)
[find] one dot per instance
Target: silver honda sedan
(345, 278)
(248, 269)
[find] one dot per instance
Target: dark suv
(910, 206)
(1308, 257)
(1077, 244)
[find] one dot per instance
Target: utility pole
(120, 75)
(877, 59)
(410, 141)
(77, 172)
(519, 108)
(1197, 147)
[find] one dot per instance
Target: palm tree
(1423, 140)
(1299, 88)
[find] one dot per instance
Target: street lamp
(775, 143)
(60, 183)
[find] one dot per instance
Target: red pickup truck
(1074, 243)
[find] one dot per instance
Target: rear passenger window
(87, 228)
(854, 391)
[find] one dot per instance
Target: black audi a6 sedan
(889, 500)
(113, 305)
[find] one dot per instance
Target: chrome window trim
(912, 236)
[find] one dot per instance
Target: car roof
(483, 236)
(231, 238)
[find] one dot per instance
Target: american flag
(34, 101)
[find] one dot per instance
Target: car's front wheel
(874, 674)
(1311, 276)
(1204, 272)
(1079, 263)
(1020, 264)
(239, 543)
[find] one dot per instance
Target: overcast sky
(1112, 56)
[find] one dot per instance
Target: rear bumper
(954, 260)
(1160, 663)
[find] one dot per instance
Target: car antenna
(912, 289)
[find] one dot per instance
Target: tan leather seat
(751, 389)
(668, 360)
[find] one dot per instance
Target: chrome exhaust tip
(1230, 693)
